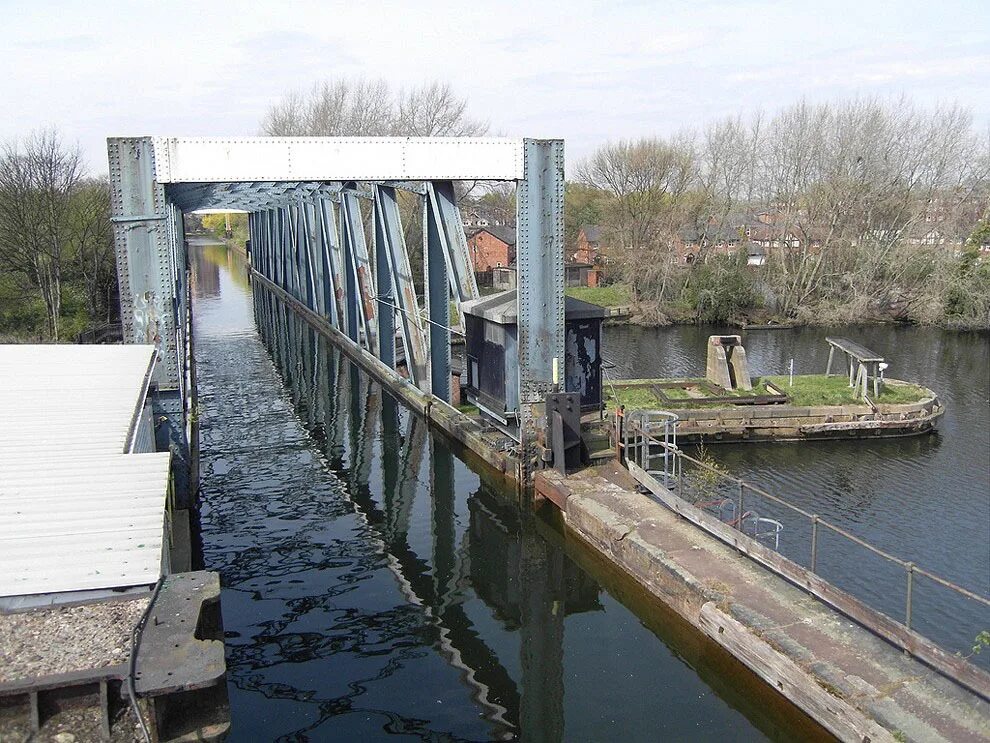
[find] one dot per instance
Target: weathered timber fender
(838, 672)
(791, 423)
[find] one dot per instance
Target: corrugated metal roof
(76, 510)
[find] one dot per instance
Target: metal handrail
(634, 429)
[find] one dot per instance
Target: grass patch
(634, 398)
(613, 295)
(816, 389)
(811, 390)
(468, 409)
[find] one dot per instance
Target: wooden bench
(862, 362)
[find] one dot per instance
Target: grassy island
(809, 390)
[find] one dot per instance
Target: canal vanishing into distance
(376, 585)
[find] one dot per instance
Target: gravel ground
(73, 725)
(62, 639)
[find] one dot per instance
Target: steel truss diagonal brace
(396, 291)
(359, 286)
(335, 256)
(314, 245)
(442, 204)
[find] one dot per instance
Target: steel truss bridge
(309, 200)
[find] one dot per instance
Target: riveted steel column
(401, 288)
(540, 269)
(146, 254)
(437, 300)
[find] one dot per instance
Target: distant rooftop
(592, 232)
(82, 492)
(503, 233)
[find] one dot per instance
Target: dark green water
(924, 499)
(376, 586)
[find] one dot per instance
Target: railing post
(814, 543)
(910, 590)
(739, 513)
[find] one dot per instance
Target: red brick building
(584, 269)
(491, 247)
(588, 244)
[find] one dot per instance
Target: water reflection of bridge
(527, 583)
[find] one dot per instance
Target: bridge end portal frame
(314, 204)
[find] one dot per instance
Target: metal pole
(540, 293)
(814, 542)
(437, 299)
(740, 512)
(910, 590)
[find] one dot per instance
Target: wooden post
(831, 353)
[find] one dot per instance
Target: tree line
(869, 207)
(866, 207)
(57, 269)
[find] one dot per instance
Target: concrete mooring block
(727, 365)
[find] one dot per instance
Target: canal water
(375, 585)
(924, 499)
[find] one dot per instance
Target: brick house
(589, 244)
(761, 234)
(587, 259)
(491, 247)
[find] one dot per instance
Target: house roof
(592, 232)
(505, 234)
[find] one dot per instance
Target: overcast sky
(584, 71)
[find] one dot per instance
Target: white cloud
(586, 71)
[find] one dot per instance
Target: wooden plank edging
(785, 676)
(952, 667)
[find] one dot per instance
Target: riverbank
(653, 314)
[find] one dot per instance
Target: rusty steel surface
(170, 657)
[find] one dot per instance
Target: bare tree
(435, 110)
(38, 178)
(359, 107)
(91, 238)
(859, 204)
(647, 181)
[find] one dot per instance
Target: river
(925, 499)
(378, 584)
(375, 585)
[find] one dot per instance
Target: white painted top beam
(222, 160)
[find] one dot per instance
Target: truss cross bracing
(324, 223)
